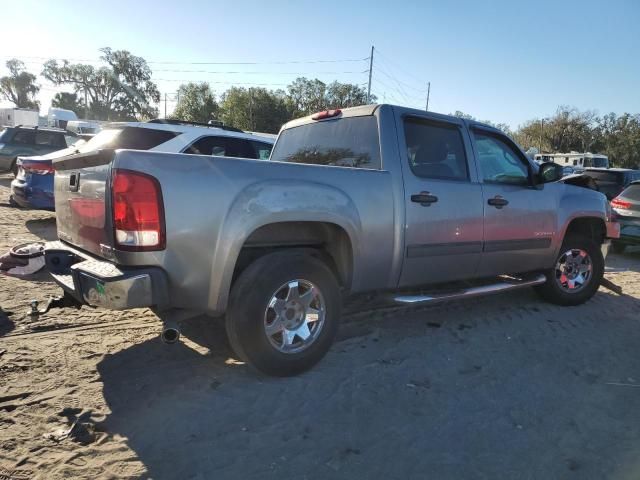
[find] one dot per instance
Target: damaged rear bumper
(93, 281)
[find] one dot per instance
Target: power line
(257, 72)
(163, 62)
(399, 67)
(399, 82)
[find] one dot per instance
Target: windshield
(600, 162)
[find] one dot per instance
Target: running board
(506, 283)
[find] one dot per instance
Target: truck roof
(365, 110)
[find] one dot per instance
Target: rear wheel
(618, 247)
(283, 313)
(14, 167)
(577, 273)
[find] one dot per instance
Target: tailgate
(80, 188)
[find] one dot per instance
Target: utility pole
(165, 104)
(370, 72)
(428, 93)
(541, 133)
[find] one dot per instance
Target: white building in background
(12, 117)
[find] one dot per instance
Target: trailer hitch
(62, 301)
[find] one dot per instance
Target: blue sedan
(33, 185)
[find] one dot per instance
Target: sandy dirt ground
(499, 387)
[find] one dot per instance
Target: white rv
(59, 117)
(575, 160)
(12, 117)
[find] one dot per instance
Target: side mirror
(550, 172)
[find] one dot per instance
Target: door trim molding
(441, 249)
(461, 248)
(510, 245)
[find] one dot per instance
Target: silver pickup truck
(416, 206)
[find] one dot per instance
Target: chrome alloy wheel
(294, 316)
(573, 270)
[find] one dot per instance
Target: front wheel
(577, 273)
(283, 313)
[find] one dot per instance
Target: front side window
(50, 139)
(435, 150)
(262, 149)
(24, 137)
(344, 142)
(221, 147)
(499, 162)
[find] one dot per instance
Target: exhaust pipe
(170, 332)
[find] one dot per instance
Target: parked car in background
(82, 127)
(626, 207)
(27, 141)
(60, 117)
(376, 198)
(611, 181)
(33, 185)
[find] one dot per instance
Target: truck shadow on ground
(435, 392)
(6, 324)
(45, 228)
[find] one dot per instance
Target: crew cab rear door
(443, 201)
(519, 219)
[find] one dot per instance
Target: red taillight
(37, 168)
(326, 114)
(138, 213)
(617, 203)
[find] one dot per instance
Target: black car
(611, 181)
(626, 207)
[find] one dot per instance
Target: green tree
(196, 103)
(19, 86)
(255, 109)
(68, 101)
(120, 90)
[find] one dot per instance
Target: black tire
(552, 292)
(248, 302)
(14, 167)
(618, 247)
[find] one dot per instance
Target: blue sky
(497, 60)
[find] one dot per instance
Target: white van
(59, 117)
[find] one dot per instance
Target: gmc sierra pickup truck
(376, 198)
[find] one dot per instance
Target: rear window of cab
(343, 142)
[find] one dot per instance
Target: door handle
(424, 198)
(498, 202)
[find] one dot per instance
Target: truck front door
(519, 219)
(443, 201)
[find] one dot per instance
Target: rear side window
(346, 142)
(136, 138)
(24, 137)
(609, 177)
(435, 150)
(50, 139)
(262, 150)
(222, 147)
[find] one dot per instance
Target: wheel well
(590, 227)
(326, 241)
